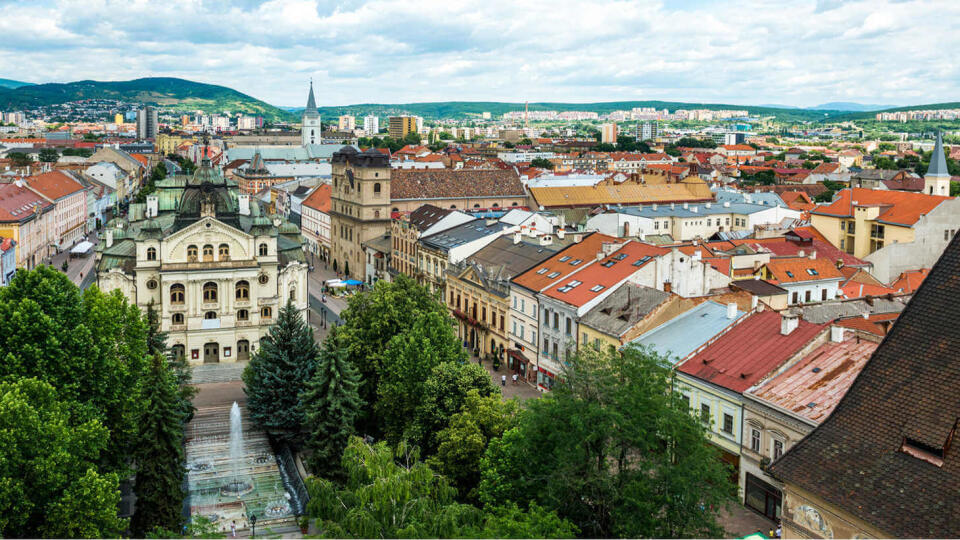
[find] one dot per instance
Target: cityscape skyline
(803, 54)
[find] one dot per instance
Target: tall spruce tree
(157, 344)
(160, 460)
(331, 403)
(278, 373)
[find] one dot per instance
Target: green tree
(371, 320)
(390, 494)
(330, 405)
(278, 373)
(157, 344)
(693, 142)
(91, 347)
(160, 460)
(809, 165)
(444, 393)
(411, 138)
(20, 159)
(463, 442)
(765, 177)
(49, 155)
(427, 343)
(542, 163)
(49, 484)
(613, 450)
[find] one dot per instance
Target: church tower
(937, 179)
(310, 123)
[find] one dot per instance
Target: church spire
(938, 161)
(311, 102)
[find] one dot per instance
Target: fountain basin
(236, 488)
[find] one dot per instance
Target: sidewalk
(521, 390)
(79, 267)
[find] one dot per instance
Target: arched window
(496, 205)
(210, 315)
(395, 209)
(243, 315)
(453, 207)
(177, 293)
(376, 214)
(263, 250)
(477, 205)
(513, 204)
(178, 351)
(207, 253)
(243, 290)
(191, 253)
(210, 292)
(224, 252)
(151, 253)
(376, 188)
(266, 312)
(177, 318)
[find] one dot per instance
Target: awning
(82, 247)
(353, 282)
(335, 283)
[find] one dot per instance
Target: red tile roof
(54, 184)
(141, 158)
(877, 325)
(17, 203)
(897, 207)
(813, 386)
(855, 289)
(910, 281)
(599, 276)
(585, 250)
(797, 269)
(749, 350)
(320, 199)
(6, 244)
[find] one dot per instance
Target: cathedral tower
(310, 123)
(937, 179)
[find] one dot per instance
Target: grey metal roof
(693, 210)
(624, 308)
(680, 336)
(768, 198)
(758, 287)
(938, 162)
(503, 258)
(831, 311)
(284, 153)
(462, 234)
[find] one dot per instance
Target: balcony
(206, 306)
(268, 300)
(178, 308)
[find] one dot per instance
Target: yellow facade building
(400, 126)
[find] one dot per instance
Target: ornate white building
(310, 122)
(215, 267)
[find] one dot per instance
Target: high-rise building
(608, 133)
(147, 123)
(371, 124)
(185, 120)
(347, 122)
(118, 119)
(649, 131)
(310, 123)
(401, 125)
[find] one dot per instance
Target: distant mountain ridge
(10, 83)
(849, 106)
(168, 92)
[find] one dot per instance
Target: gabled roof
(897, 207)
(884, 455)
(599, 276)
(749, 351)
(558, 267)
(455, 184)
(17, 203)
(910, 280)
(680, 336)
(624, 308)
(319, 200)
(54, 184)
(427, 216)
(797, 269)
(812, 387)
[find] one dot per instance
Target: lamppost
(253, 523)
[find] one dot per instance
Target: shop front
(762, 497)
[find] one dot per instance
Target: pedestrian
(779, 530)
(514, 379)
(233, 529)
(503, 380)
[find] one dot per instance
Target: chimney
(789, 320)
(836, 334)
(801, 253)
(561, 233)
(753, 302)
(813, 254)
(546, 239)
(109, 237)
(732, 310)
(726, 204)
(697, 255)
(707, 205)
(685, 206)
(152, 206)
(609, 247)
(654, 207)
(667, 286)
(516, 238)
(244, 202)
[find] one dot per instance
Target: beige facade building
(216, 268)
(359, 206)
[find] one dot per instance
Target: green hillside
(10, 83)
(167, 92)
(869, 115)
(461, 109)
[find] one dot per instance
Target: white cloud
(755, 51)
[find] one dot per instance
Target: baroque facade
(215, 267)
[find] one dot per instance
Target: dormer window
(151, 254)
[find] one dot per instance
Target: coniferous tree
(331, 403)
(278, 373)
(160, 461)
(157, 344)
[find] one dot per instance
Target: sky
(796, 52)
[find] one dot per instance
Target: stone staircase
(217, 373)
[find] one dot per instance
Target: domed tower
(359, 206)
(310, 122)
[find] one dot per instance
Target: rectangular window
(823, 295)
(705, 413)
(569, 325)
(533, 336)
(728, 424)
(521, 331)
(586, 339)
(796, 297)
(514, 302)
(808, 296)
(556, 320)
(755, 440)
(523, 306)
(777, 449)
(514, 331)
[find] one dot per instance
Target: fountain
(236, 487)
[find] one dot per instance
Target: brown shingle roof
(454, 184)
(875, 456)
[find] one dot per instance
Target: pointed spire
(938, 161)
(311, 102)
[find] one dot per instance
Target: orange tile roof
(897, 207)
(319, 199)
(910, 281)
(586, 250)
(878, 324)
(141, 158)
(856, 289)
(798, 269)
(54, 184)
(602, 275)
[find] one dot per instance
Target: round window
(152, 284)
(263, 279)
